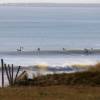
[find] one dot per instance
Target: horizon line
(51, 4)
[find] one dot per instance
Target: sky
(49, 1)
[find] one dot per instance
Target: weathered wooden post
(2, 66)
(7, 73)
(17, 73)
(9, 69)
(12, 74)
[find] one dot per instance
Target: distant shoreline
(85, 51)
(52, 4)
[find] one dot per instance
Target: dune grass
(88, 78)
(73, 86)
(95, 68)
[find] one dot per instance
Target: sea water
(49, 28)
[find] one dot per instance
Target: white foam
(51, 60)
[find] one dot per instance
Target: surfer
(20, 49)
(86, 51)
(38, 49)
(64, 49)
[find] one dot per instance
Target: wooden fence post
(7, 73)
(2, 66)
(9, 70)
(12, 74)
(17, 73)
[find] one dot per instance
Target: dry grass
(81, 78)
(51, 93)
(95, 68)
(75, 86)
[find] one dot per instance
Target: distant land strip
(52, 4)
(53, 52)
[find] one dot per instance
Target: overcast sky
(50, 1)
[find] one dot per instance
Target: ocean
(45, 32)
(49, 28)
